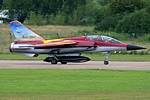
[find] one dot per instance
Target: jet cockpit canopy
(103, 39)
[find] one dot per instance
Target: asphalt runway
(114, 65)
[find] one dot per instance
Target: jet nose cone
(133, 47)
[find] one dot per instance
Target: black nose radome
(133, 47)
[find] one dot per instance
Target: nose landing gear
(106, 62)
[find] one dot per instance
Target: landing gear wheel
(106, 62)
(54, 61)
(64, 62)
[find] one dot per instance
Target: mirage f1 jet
(63, 50)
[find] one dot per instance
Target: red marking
(14, 23)
(33, 42)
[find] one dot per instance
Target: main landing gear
(106, 62)
(54, 61)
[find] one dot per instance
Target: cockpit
(103, 39)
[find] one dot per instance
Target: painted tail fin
(22, 32)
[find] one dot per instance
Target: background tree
(108, 23)
(69, 8)
(101, 2)
(104, 14)
(1, 2)
(137, 22)
(125, 6)
(118, 8)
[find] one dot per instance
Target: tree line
(122, 16)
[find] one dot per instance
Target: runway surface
(114, 65)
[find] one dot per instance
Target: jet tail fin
(22, 32)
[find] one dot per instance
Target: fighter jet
(4, 14)
(63, 50)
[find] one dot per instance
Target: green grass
(94, 56)
(74, 84)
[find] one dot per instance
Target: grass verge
(73, 84)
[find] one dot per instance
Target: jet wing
(56, 44)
